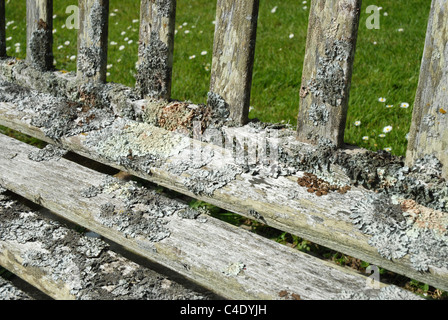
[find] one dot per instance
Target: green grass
(387, 61)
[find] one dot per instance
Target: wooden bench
(373, 206)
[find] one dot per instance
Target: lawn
(386, 66)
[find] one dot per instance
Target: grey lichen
(234, 269)
(318, 114)
(329, 83)
(154, 70)
(49, 152)
(56, 116)
(136, 146)
(89, 61)
(9, 292)
(164, 7)
(85, 265)
(220, 110)
(390, 292)
(140, 212)
(396, 234)
(205, 182)
(196, 160)
(40, 48)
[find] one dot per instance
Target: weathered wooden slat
(165, 158)
(92, 40)
(67, 265)
(9, 292)
(2, 29)
(327, 70)
(155, 58)
(428, 134)
(39, 50)
(233, 57)
(232, 262)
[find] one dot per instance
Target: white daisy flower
(357, 123)
(387, 129)
(404, 105)
(382, 99)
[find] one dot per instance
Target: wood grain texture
(156, 46)
(92, 40)
(428, 133)
(327, 70)
(68, 265)
(280, 202)
(39, 50)
(228, 260)
(233, 56)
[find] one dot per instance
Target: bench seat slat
(231, 261)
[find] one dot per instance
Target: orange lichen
(425, 218)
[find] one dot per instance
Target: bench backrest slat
(233, 57)
(155, 56)
(429, 134)
(92, 40)
(39, 32)
(327, 70)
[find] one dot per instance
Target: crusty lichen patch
(84, 265)
(403, 228)
(386, 293)
(49, 152)
(126, 139)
